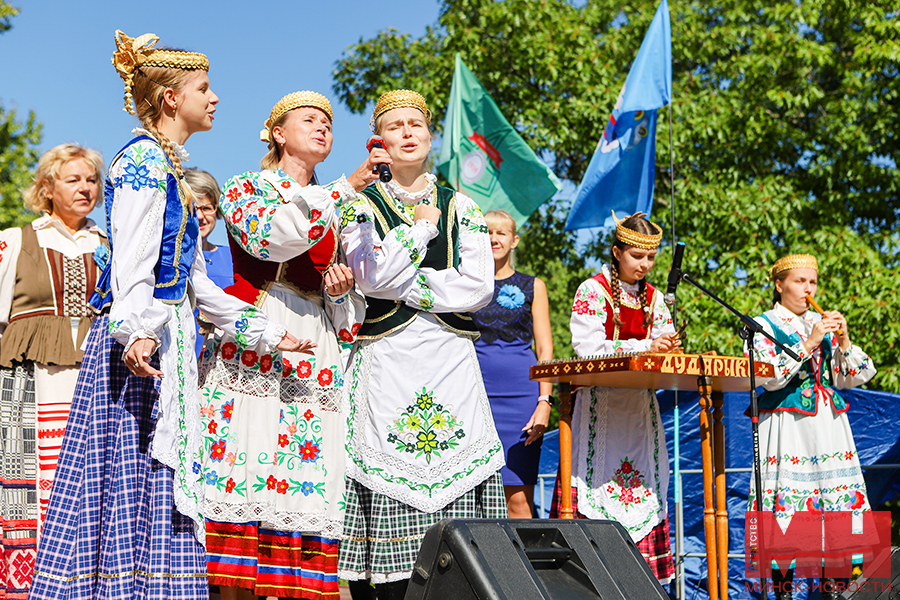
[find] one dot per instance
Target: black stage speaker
(531, 559)
(877, 589)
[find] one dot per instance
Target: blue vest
(181, 229)
(799, 395)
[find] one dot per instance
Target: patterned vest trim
(181, 230)
(632, 327)
(799, 395)
(49, 283)
(387, 316)
(303, 274)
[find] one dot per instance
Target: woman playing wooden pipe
(810, 461)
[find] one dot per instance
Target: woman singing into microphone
(421, 443)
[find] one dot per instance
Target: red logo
(814, 539)
(488, 148)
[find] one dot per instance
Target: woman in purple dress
(518, 313)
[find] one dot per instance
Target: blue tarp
(874, 418)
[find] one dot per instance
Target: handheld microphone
(675, 274)
(384, 171)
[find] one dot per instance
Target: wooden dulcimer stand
(711, 375)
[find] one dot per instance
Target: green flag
(483, 157)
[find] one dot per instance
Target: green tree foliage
(18, 151)
(784, 131)
(6, 12)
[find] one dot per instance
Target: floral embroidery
(250, 205)
(586, 302)
(472, 220)
(840, 455)
(142, 166)
(301, 444)
(325, 376)
(627, 485)
(304, 368)
(242, 325)
(426, 302)
(402, 235)
(426, 428)
(788, 500)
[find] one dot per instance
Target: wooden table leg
(565, 449)
(718, 401)
(709, 520)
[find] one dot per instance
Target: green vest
(799, 395)
(387, 316)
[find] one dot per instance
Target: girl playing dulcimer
(620, 467)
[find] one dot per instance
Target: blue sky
(56, 61)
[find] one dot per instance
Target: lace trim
(376, 578)
(284, 521)
(360, 457)
(411, 197)
(177, 438)
(240, 379)
(594, 414)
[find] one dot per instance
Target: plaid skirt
(655, 547)
(18, 477)
(111, 530)
(286, 564)
(382, 536)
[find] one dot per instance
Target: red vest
(304, 273)
(632, 317)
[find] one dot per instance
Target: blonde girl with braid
(125, 517)
(620, 468)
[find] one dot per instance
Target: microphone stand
(747, 333)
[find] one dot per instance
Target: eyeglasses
(208, 210)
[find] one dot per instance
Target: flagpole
(679, 517)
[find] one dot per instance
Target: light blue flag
(620, 174)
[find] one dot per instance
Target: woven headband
(794, 261)
(635, 238)
(399, 99)
(133, 53)
(290, 102)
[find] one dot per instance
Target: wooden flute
(819, 310)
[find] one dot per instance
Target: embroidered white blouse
(849, 369)
(138, 176)
(389, 269)
(588, 320)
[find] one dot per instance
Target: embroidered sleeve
(470, 285)
(273, 218)
(247, 325)
(590, 311)
(381, 265)
(785, 367)
(851, 368)
(10, 246)
(136, 224)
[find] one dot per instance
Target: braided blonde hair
(150, 84)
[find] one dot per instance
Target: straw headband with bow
(134, 53)
(635, 238)
(290, 102)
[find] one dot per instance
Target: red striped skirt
(655, 547)
(286, 564)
